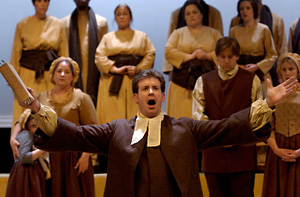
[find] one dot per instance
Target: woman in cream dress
(193, 41)
(72, 172)
(124, 42)
(36, 38)
(256, 42)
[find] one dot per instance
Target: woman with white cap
(72, 172)
(281, 173)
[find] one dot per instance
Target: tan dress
(32, 33)
(76, 107)
(83, 30)
(214, 20)
(181, 42)
(135, 42)
(257, 41)
(279, 35)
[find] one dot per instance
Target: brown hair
(150, 73)
(227, 42)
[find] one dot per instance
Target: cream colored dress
(78, 108)
(35, 34)
(135, 42)
(83, 31)
(257, 41)
(214, 21)
(279, 35)
(181, 42)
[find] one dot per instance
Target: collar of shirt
(154, 129)
(227, 75)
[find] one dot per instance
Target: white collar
(227, 75)
(154, 131)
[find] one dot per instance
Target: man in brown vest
(229, 170)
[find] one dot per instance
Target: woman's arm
(14, 144)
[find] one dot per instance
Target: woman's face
(246, 11)
(123, 17)
(63, 75)
(41, 7)
(193, 16)
(288, 70)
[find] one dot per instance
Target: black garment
(75, 54)
(120, 61)
(38, 60)
(190, 71)
(231, 184)
(266, 17)
(296, 39)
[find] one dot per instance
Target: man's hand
(278, 93)
(35, 105)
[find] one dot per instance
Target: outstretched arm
(35, 105)
(260, 112)
(45, 117)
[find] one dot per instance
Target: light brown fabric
(181, 42)
(214, 20)
(80, 110)
(114, 43)
(257, 41)
(287, 116)
(279, 35)
(32, 33)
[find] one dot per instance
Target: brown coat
(180, 141)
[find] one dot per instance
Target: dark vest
(223, 98)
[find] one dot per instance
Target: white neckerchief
(154, 129)
(227, 75)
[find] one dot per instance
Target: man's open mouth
(151, 102)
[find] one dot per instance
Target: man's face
(82, 4)
(227, 59)
(149, 97)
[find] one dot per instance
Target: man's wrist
(270, 104)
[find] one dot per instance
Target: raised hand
(35, 105)
(278, 93)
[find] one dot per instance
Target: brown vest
(223, 98)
